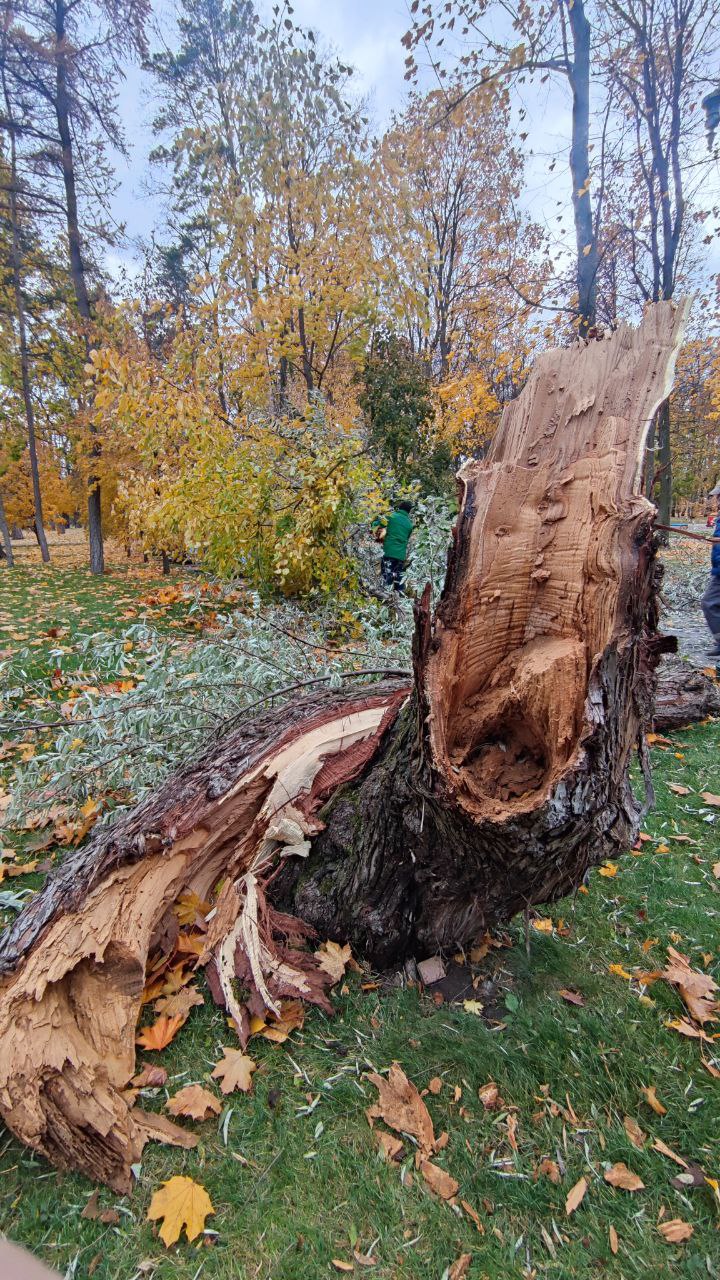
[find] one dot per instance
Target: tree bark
(22, 333)
(77, 264)
(5, 536)
(684, 695)
(405, 817)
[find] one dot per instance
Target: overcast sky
(368, 35)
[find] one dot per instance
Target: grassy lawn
(293, 1170)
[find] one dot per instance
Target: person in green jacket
(398, 528)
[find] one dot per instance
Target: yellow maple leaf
(608, 869)
(181, 1202)
(619, 972)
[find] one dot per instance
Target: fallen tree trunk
(405, 818)
(684, 695)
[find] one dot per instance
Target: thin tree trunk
(585, 238)
(5, 536)
(664, 455)
(22, 334)
(77, 265)
(405, 817)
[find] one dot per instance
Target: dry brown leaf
(180, 1202)
(489, 1095)
(685, 1028)
(572, 997)
(157, 1128)
(709, 798)
(292, 1017)
(512, 1123)
(614, 1242)
(677, 789)
(339, 1265)
(195, 1102)
(333, 959)
(399, 1104)
(549, 1169)
(435, 1085)
(473, 1213)
(94, 1213)
(160, 1033)
(459, 1268)
(179, 1003)
(653, 1101)
(659, 1145)
(634, 1132)
(620, 1176)
(696, 988)
(364, 1259)
(716, 870)
(150, 1077)
(390, 1146)
(675, 1231)
(575, 1196)
(439, 1180)
(234, 1071)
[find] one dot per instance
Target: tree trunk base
(684, 696)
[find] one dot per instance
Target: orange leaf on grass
(665, 1150)
(575, 1196)
(160, 1033)
(150, 1077)
(653, 1101)
(399, 1104)
(710, 799)
(634, 1132)
(549, 1169)
(195, 1102)
(438, 1180)
(614, 1242)
(234, 1071)
(459, 1268)
(675, 1231)
(620, 1176)
(180, 1003)
(180, 1202)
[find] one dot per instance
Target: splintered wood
(543, 580)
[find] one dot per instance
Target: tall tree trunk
(77, 265)
(22, 332)
(434, 809)
(585, 238)
(5, 536)
(664, 456)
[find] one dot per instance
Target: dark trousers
(393, 572)
(710, 605)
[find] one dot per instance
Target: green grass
(294, 1188)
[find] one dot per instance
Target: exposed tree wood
(684, 696)
(434, 810)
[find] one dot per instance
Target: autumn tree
(63, 58)
(492, 46)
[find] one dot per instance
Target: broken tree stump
(404, 818)
(684, 695)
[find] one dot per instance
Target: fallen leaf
(709, 798)
(614, 1242)
(619, 972)
(512, 1123)
(439, 1180)
(473, 1213)
(572, 997)
(575, 1196)
(716, 870)
(459, 1268)
(364, 1259)
(195, 1102)
(620, 1176)
(234, 1071)
(150, 1077)
(399, 1104)
(653, 1101)
(549, 1169)
(390, 1146)
(333, 959)
(339, 1265)
(435, 1085)
(677, 789)
(543, 926)
(659, 1145)
(489, 1095)
(94, 1213)
(685, 1028)
(180, 1003)
(634, 1132)
(608, 869)
(675, 1231)
(292, 1017)
(473, 1006)
(180, 1202)
(160, 1033)
(158, 1128)
(662, 848)
(696, 989)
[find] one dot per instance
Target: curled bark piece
(437, 811)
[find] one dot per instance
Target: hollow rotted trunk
(405, 817)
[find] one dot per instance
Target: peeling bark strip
(432, 812)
